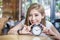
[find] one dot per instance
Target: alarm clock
(36, 29)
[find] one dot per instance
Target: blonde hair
(37, 7)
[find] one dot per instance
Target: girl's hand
(48, 31)
(25, 30)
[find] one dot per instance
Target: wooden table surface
(29, 37)
(23, 37)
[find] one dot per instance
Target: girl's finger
(31, 25)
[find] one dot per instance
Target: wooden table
(23, 37)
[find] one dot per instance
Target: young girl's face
(35, 17)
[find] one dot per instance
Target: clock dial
(36, 30)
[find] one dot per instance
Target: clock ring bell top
(36, 29)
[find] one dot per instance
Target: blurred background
(16, 9)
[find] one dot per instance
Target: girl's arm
(57, 36)
(52, 32)
(15, 29)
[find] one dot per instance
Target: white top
(48, 24)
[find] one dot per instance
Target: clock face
(36, 30)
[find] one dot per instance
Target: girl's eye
(30, 15)
(36, 15)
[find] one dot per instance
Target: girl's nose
(33, 17)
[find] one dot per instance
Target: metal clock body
(36, 29)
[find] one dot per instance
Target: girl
(36, 15)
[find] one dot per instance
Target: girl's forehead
(34, 11)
